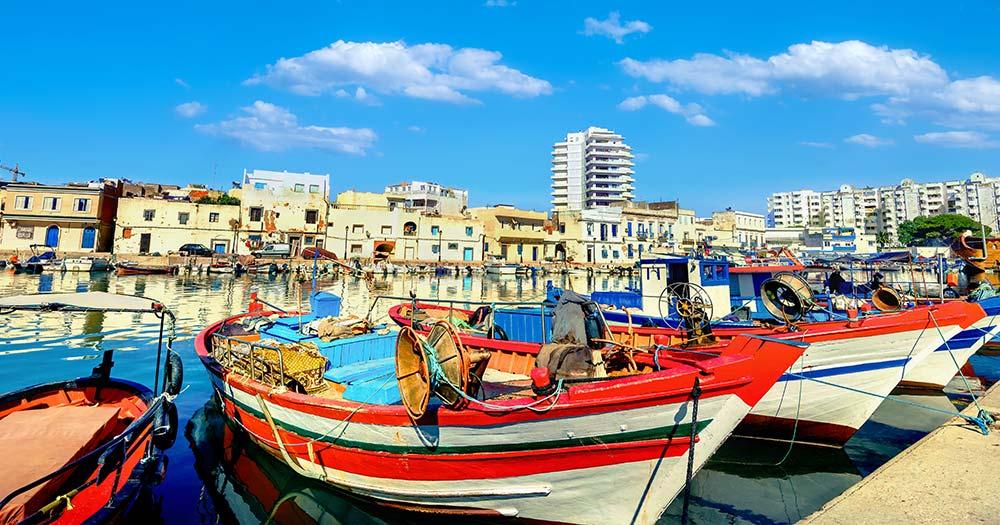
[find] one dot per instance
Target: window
(259, 186)
(22, 203)
(468, 231)
(358, 229)
(182, 217)
(300, 188)
(309, 240)
(256, 214)
(614, 230)
(213, 217)
(410, 229)
(435, 230)
(51, 203)
(81, 205)
(314, 188)
(312, 216)
(356, 248)
(615, 254)
(486, 247)
(452, 245)
(148, 215)
(435, 248)
(255, 241)
(386, 230)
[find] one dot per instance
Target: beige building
(280, 206)
(517, 236)
(156, 225)
(70, 218)
(359, 221)
(738, 229)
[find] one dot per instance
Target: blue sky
(723, 103)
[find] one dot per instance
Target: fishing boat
(43, 257)
(817, 401)
(221, 265)
(981, 253)
(501, 437)
(318, 252)
(84, 450)
(86, 264)
(133, 268)
(496, 265)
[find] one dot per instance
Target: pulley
(786, 296)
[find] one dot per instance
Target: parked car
(274, 249)
(196, 249)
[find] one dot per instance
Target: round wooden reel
(412, 373)
(453, 360)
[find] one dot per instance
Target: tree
(882, 239)
(937, 230)
(221, 199)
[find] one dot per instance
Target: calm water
(217, 477)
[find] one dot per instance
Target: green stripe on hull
(677, 430)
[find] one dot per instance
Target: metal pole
(346, 229)
(159, 350)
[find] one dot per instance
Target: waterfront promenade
(949, 476)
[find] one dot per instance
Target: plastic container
(324, 304)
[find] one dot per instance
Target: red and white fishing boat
(84, 450)
(818, 400)
(621, 439)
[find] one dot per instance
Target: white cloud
(426, 71)
(958, 139)
(268, 127)
(415, 129)
(612, 27)
(693, 113)
(870, 141)
(500, 3)
(910, 84)
(816, 144)
(180, 82)
(190, 109)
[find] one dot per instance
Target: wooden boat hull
(970, 249)
(104, 500)
(145, 270)
(621, 441)
(814, 400)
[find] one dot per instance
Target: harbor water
(216, 476)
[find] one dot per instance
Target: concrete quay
(949, 476)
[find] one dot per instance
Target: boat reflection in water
(247, 485)
(747, 482)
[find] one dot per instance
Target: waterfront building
(281, 206)
(72, 218)
(428, 197)
(835, 241)
(648, 226)
(738, 229)
(359, 221)
(518, 236)
(876, 210)
(147, 225)
(591, 169)
(591, 236)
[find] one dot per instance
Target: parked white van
(275, 249)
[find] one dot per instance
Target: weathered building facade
(157, 225)
(69, 218)
(280, 206)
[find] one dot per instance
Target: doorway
(52, 237)
(144, 241)
(89, 238)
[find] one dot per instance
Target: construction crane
(15, 171)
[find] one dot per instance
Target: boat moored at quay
(503, 436)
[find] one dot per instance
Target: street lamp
(346, 229)
(439, 244)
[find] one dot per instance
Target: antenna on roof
(15, 172)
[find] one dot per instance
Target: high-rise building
(881, 209)
(591, 169)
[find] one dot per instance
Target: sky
(723, 103)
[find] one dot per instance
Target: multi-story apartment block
(591, 169)
(882, 209)
(74, 218)
(279, 206)
(428, 197)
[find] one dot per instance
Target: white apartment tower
(591, 169)
(882, 209)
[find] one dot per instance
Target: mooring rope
(695, 396)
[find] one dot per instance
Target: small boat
(221, 265)
(132, 268)
(382, 251)
(86, 264)
(504, 436)
(84, 450)
(318, 252)
(498, 266)
(43, 257)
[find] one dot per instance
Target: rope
(695, 395)
(983, 415)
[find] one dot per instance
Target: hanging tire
(173, 373)
(498, 333)
(165, 426)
